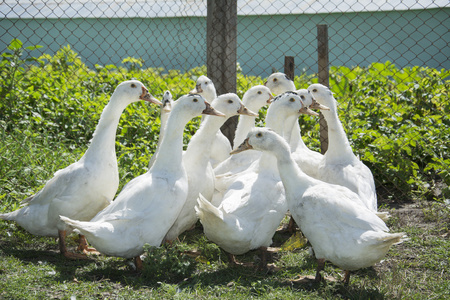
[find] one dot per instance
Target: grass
(50, 115)
(32, 268)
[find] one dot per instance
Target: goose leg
(346, 277)
(263, 255)
(170, 242)
(291, 226)
(83, 246)
(232, 260)
(138, 263)
(320, 267)
(63, 248)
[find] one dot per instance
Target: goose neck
(169, 155)
(275, 121)
(267, 163)
(296, 138)
(163, 118)
(245, 124)
(337, 138)
(293, 178)
(292, 134)
(103, 140)
(201, 141)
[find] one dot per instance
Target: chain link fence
(171, 35)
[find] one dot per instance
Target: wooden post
(221, 51)
(289, 66)
(322, 50)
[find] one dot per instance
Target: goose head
(231, 105)
(279, 83)
(262, 139)
(205, 87)
(309, 101)
(322, 94)
(194, 105)
(132, 91)
(257, 97)
(167, 102)
(286, 104)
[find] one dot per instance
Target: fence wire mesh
(172, 35)
(372, 44)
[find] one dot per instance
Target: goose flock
(239, 195)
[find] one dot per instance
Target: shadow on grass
(256, 282)
(171, 266)
(93, 269)
(259, 282)
(52, 257)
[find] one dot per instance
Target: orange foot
(63, 248)
(83, 246)
(233, 262)
(71, 255)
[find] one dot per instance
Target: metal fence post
(221, 53)
(322, 50)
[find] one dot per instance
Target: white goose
(148, 205)
(196, 161)
(339, 165)
(280, 83)
(205, 87)
(86, 186)
(221, 145)
(339, 228)
(166, 107)
(233, 167)
(307, 159)
(254, 99)
(254, 204)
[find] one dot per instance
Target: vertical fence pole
(221, 53)
(322, 50)
(289, 66)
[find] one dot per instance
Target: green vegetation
(396, 120)
(32, 268)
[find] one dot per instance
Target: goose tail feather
(205, 209)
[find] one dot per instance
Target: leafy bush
(396, 119)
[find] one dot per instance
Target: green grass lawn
(32, 268)
(397, 122)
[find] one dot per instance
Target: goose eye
(303, 97)
(230, 101)
(314, 90)
(275, 79)
(133, 85)
(195, 100)
(259, 92)
(292, 100)
(259, 134)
